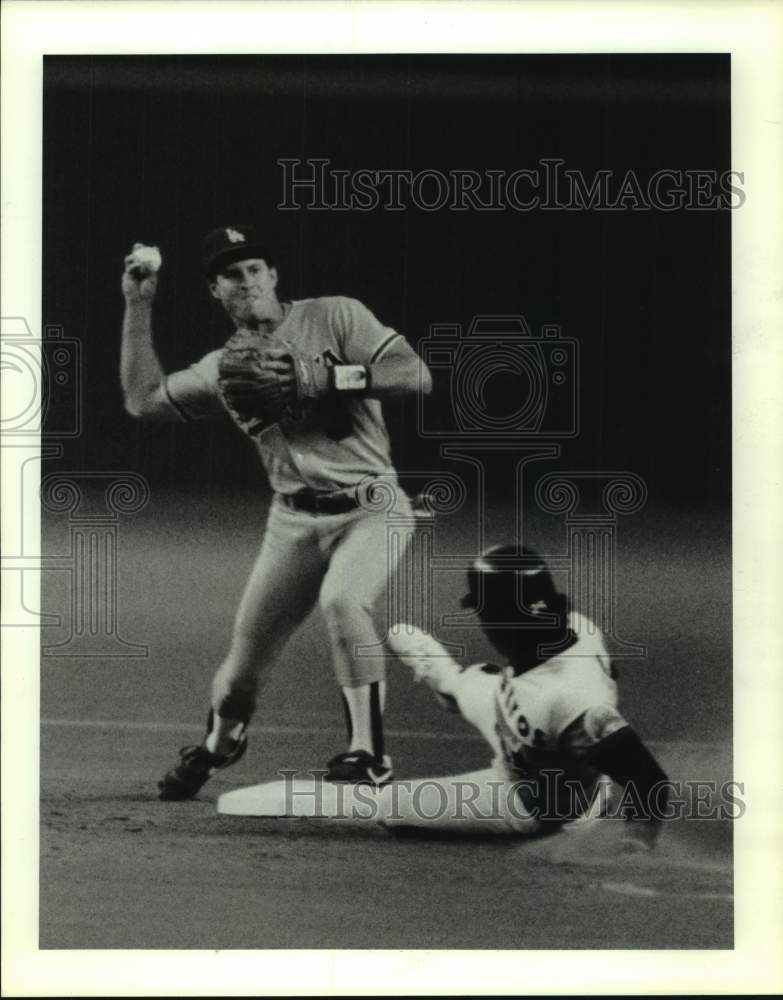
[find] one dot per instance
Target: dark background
(160, 149)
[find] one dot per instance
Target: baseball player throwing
(304, 380)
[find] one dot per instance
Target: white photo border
(751, 32)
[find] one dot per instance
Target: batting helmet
(516, 600)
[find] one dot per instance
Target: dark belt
(320, 503)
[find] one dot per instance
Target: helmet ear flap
(472, 599)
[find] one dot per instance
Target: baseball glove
(255, 380)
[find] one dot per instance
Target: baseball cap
(229, 243)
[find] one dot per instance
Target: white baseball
(146, 259)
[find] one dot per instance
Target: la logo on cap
(235, 236)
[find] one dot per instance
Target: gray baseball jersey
(339, 441)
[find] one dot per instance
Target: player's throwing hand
(140, 277)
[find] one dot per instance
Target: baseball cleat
(196, 766)
(357, 767)
(429, 661)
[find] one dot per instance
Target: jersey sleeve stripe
(178, 407)
(384, 345)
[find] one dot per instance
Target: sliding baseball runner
(549, 714)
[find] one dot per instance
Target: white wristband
(351, 378)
